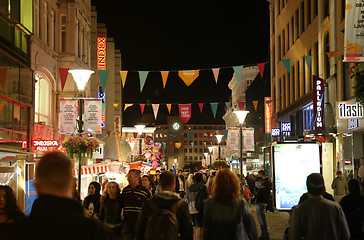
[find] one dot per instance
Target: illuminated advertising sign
(101, 53)
(349, 110)
(268, 114)
(286, 128)
(276, 132)
(42, 145)
(289, 182)
(318, 102)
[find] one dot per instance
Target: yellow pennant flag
(164, 77)
(169, 107)
(123, 75)
(1, 107)
(127, 105)
(255, 103)
(116, 105)
(178, 145)
(188, 76)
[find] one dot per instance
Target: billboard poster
(93, 117)
(68, 113)
(233, 139)
(248, 136)
(292, 163)
(354, 31)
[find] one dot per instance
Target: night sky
(189, 35)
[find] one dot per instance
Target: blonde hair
(106, 194)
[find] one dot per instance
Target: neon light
(101, 53)
(318, 103)
(45, 143)
(268, 114)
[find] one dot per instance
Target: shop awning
(91, 169)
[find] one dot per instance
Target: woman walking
(92, 201)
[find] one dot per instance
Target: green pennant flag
(214, 108)
(142, 78)
(103, 74)
(103, 109)
(191, 135)
(164, 145)
(308, 60)
(287, 64)
(238, 72)
(226, 132)
(227, 104)
(126, 143)
(192, 144)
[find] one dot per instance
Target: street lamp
(140, 129)
(241, 115)
(210, 150)
(219, 138)
(132, 144)
(206, 154)
(81, 77)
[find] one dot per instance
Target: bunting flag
(287, 64)
(241, 105)
(142, 108)
(164, 75)
(117, 134)
(190, 135)
(126, 143)
(332, 54)
(238, 72)
(188, 76)
(255, 103)
(261, 68)
(199, 134)
(308, 61)
(142, 79)
(204, 143)
(185, 112)
(108, 133)
(135, 135)
(127, 105)
(226, 132)
(200, 105)
(170, 144)
(123, 75)
(208, 134)
(198, 143)
(214, 108)
(164, 145)
(126, 135)
(116, 104)
(169, 107)
(1, 107)
(216, 71)
(185, 144)
(155, 110)
(103, 74)
(192, 144)
(178, 145)
(63, 73)
(227, 104)
(103, 109)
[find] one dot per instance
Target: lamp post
(210, 150)
(241, 115)
(219, 138)
(81, 77)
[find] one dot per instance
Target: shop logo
(350, 111)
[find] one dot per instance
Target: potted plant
(357, 72)
(220, 163)
(80, 146)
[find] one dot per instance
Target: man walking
(318, 218)
(340, 187)
(148, 225)
(263, 194)
(132, 199)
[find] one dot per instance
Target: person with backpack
(164, 216)
(196, 198)
(227, 216)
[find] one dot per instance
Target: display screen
(292, 163)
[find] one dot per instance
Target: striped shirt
(132, 201)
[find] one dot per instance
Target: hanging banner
(354, 24)
(164, 75)
(268, 114)
(233, 139)
(216, 71)
(188, 76)
(318, 102)
(215, 152)
(93, 115)
(123, 75)
(63, 73)
(248, 136)
(155, 110)
(101, 53)
(184, 112)
(68, 113)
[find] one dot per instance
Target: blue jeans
(261, 218)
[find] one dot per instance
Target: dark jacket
(263, 194)
(353, 207)
(221, 220)
(192, 195)
(110, 211)
(165, 200)
(59, 218)
(92, 205)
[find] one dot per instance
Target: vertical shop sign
(318, 102)
(101, 53)
(93, 116)
(268, 114)
(354, 31)
(68, 113)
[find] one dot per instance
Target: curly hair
(226, 187)
(105, 192)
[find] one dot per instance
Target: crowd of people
(201, 205)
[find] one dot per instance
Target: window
(195, 150)
(283, 92)
(292, 31)
(279, 48)
(42, 100)
(190, 158)
(293, 89)
(309, 11)
(298, 90)
(343, 5)
(190, 150)
(326, 8)
(284, 42)
(303, 26)
(316, 59)
(185, 158)
(36, 18)
(288, 36)
(297, 23)
(327, 60)
(51, 31)
(196, 159)
(315, 7)
(185, 150)
(45, 22)
(309, 73)
(304, 75)
(195, 135)
(200, 150)
(63, 33)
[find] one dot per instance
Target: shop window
(42, 100)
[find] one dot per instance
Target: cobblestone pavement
(277, 223)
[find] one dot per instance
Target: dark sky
(160, 35)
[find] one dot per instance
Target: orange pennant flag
(164, 77)
(117, 134)
(123, 75)
(1, 107)
(169, 107)
(255, 103)
(188, 76)
(332, 54)
(127, 105)
(178, 145)
(215, 71)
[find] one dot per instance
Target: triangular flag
(135, 135)
(216, 71)
(214, 108)
(169, 107)
(123, 75)
(184, 112)
(127, 105)
(1, 107)
(201, 106)
(103, 78)
(208, 134)
(178, 145)
(192, 144)
(142, 107)
(103, 109)
(261, 68)
(155, 110)
(126, 143)
(108, 133)
(190, 135)
(164, 145)
(117, 134)
(238, 72)
(332, 54)
(227, 104)
(308, 60)
(63, 73)
(199, 134)
(188, 76)
(164, 75)
(287, 64)
(142, 78)
(198, 143)
(185, 143)
(255, 103)
(226, 132)
(126, 135)
(115, 104)
(241, 105)
(170, 144)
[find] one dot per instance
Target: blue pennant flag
(308, 60)
(214, 108)
(238, 72)
(287, 64)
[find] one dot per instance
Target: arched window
(42, 100)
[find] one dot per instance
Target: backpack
(163, 223)
(201, 199)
